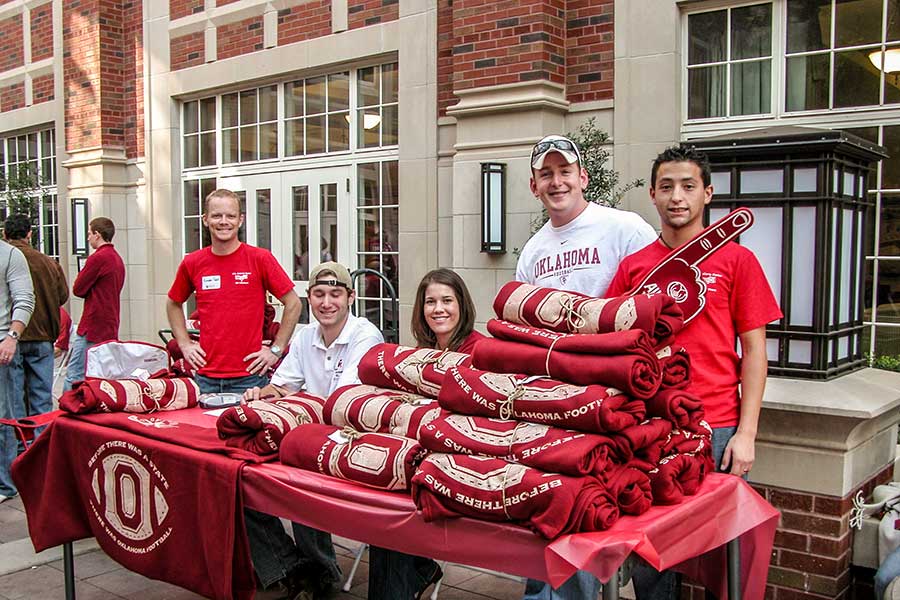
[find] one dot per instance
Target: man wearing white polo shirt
(322, 357)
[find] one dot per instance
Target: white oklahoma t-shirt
(583, 255)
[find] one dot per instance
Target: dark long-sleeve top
(100, 284)
(50, 292)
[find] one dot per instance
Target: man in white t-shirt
(322, 357)
(578, 249)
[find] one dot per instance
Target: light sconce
(79, 227)
(891, 60)
(493, 208)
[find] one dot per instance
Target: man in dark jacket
(31, 370)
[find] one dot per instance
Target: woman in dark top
(444, 315)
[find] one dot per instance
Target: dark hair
(221, 193)
(17, 226)
(682, 154)
(425, 337)
(105, 227)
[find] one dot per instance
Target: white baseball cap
(554, 143)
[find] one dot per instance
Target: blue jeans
(397, 575)
(31, 373)
(77, 361)
(887, 572)
(8, 444)
(580, 586)
(650, 584)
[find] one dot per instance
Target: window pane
(32, 145)
(866, 133)
(300, 231)
(751, 87)
(389, 125)
(706, 92)
(208, 114)
(706, 37)
(230, 146)
(315, 134)
(248, 107)
(315, 95)
(11, 150)
(46, 144)
(368, 126)
(207, 187)
(264, 219)
(339, 91)
(191, 191)
(192, 234)
(369, 237)
(751, 31)
(191, 151)
(856, 80)
(294, 133)
(268, 103)
(293, 99)
(338, 132)
(367, 83)
(207, 149)
(892, 83)
(248, 143)
(268, 141)
(367, 175)
(328, 221)
(890, 166)
(857, 22)
(389, 83)
(191, 121)
(809, 25)
(229, 110)
(390, 188)
(389, 228)
(807, 82)
(893, 20)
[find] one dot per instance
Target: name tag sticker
(212, 282)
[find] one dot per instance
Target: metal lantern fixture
(807, 190)
(493, 208)
(79, 227)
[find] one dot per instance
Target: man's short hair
(683, 154)
(17, 226)
(104, 226)
(221, 193)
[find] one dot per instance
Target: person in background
(100, 283)
(61, 345)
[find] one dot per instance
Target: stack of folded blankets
(573, 414)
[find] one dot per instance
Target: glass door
(257, 196)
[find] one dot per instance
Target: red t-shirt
(468, 344)
(231, 294)
(100, 284)
(738, 299)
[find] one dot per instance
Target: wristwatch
(274, 349)
(13, 334)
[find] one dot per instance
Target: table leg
(69, 570)
(733, 551)
(611, 587)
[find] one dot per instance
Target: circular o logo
(678, 291)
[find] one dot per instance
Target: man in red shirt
(739, 304)
(100, 284)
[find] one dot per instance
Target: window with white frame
(250, 125)
(199, 127)
(317, 115)
(377, 212)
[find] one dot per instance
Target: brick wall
(497, 43)
(183, 8)
(303, 22)
(445, 56)
(224, 2)
(362, 13)
(12, 54)
(813, 544)
(42, 32)
(186, 51)
(133, 77)
(12, 97)
(589, 50)
(239, 38)
(42, 88)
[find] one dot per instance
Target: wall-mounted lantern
(79, 226)
(493, 208)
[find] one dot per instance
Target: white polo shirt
(310, 366)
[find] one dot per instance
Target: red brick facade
(186, 51)
(362, 13)
(12, 53)
(224, 2)
(12, 97)
(42, 32)
(239, 38)
(42, 89)
(445, 56)
(183, 8)
(303, 22)
(133, 31)
(590, 53)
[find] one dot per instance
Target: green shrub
(886, 362)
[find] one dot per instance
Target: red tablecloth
(688, 536)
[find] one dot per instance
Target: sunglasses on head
(564, 145)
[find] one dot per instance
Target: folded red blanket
(130, 395)
(571, 312)
(592, 408)
(450, 485)
(677, 476)
(261, 425)
(683, 408)
(416, 370)
(540, 446)
(377, 460)
(684, 441)
(630, 488)
(621, 360)
(676, 367)
(374, 409)
(646, 440)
